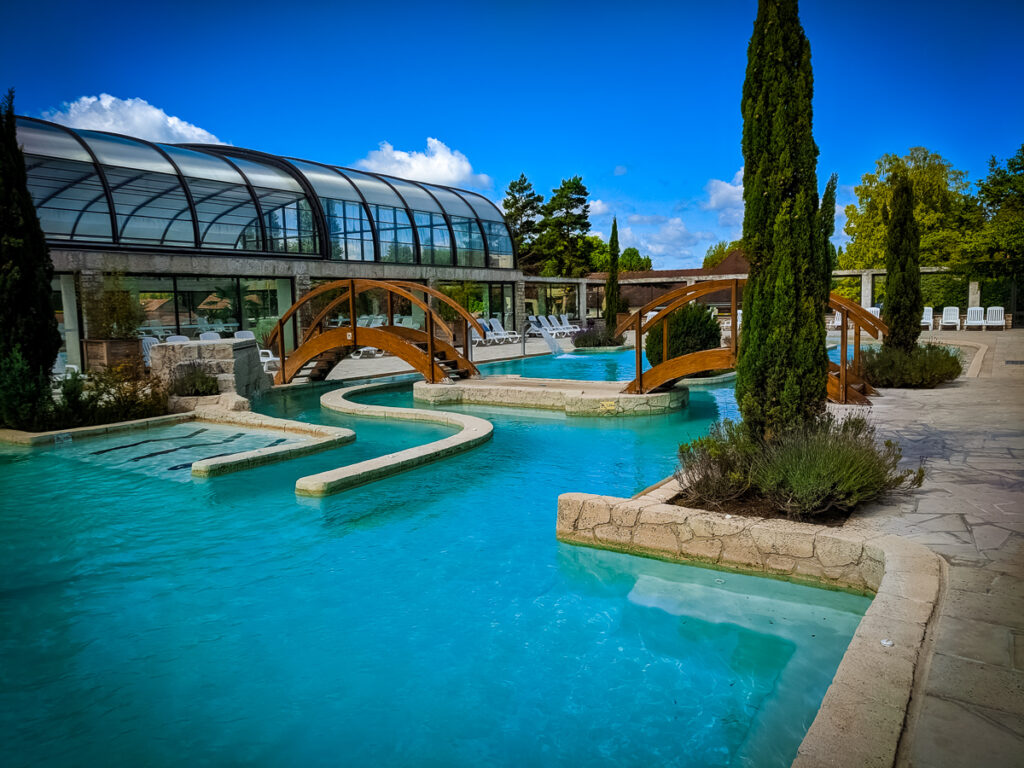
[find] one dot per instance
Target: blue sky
(642, 100)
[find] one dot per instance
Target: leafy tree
(561, 244)
(523, 208)
(903, 303)
(29, 339)
(782, 366)
(597, 253)
(690, 329)
(996, 250)
(632, 261)
(611, 285)
(945, 212)
(716, 253)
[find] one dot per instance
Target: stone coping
(18, 437)
(862, 714)
(472, 432)
(707, 381)
(599, 350)
(576, 398)
(320, 438)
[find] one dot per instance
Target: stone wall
(234, 362)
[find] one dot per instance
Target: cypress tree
(903, 301)
(782, 366)
(29, 339)
(611, 285)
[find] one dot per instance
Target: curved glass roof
(98, 187)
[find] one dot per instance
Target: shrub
(690, 329)
(596, 338)
(927, 366)
(123, 392)
(192, 381)
(112, 312)
(829, 464)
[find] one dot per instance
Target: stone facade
(234, 362)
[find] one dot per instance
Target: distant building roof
(733, 264)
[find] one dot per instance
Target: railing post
(856, 347)
(842, 360)
(465, 338)
(352, 308)
(391, 315)
(430, 346)
(280, 350)
(639, 360)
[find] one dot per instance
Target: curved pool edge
(473, 431)
(865, 709)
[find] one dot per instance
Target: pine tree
(782, 366)
(611, 285)
(560, 245)
(29, 339)
(523, 208)
(903, 301)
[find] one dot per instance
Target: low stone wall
(234, 362)
(576, 398)
(18, 437)
(863, 712)
(472, 432)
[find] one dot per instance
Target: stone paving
(968, 707)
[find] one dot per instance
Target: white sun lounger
(975, 318)
(571, 326)
(499, 331)
(927, 318)
(950, 316)
(547, 326)
(209, 336)
(535, 327)
(995, 318)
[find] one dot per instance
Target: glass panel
(499, 243)
(375, 190)
(208, 304)
(49, 141)
(200, 165)
(156, 295)
(288, 218)
(69, 199)
(125, 153)
(484, 208)
(227, 215)
(451, 202)
(150, 207)
(468, 241)
(260, 306)
(435, 241)
(395, 233)
(267, 176)
(415, 196)
(327, 183)
(349, 230)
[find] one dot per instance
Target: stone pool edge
(863, 713)
(472, 432)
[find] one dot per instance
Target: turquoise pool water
(428, 619)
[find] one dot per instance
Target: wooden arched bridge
(323, 344)
(845, 384)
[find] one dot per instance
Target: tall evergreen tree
(523, 208)
(29, 339)
(782, 366)
(560, 245)
(903, 301)
(611, 285)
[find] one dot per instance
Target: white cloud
(599, 208)
(439, 164)
(133, 117)
(620, 170)
(726, 197)
(641, 220)
(669, 245)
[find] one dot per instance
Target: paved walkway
(968, 709)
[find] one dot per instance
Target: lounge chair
(927, 319)
(950, 316)
(995, 318)
(836, 322)
(269, 360)
(177, 340)
(876, 311)
(975, 318)
(547, 326)
(535, 327)
(209, 336)
(571, 326)
(245, 335)
(499, 330)
(147, 344)
(408, 322)
(558, 325)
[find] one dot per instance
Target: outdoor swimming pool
(430, 618)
